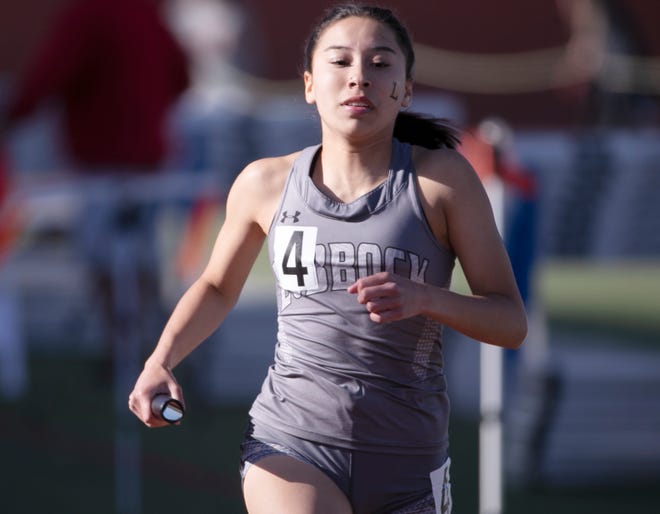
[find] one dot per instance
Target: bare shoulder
(444, 168)
(444, 177)
(447, 185)
(265, 176)
(258, 188)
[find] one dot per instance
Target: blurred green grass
(619, 296)
(616, 297)
(57, 444)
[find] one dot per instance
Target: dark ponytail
(424, 130)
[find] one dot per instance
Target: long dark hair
(409, 127)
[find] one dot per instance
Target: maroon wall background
(278, 28)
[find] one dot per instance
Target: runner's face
(358, 76)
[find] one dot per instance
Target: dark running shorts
(373, 482)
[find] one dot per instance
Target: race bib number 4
(293, 261)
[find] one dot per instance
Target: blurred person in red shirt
(113, 71)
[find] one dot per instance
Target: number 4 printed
(293, 258)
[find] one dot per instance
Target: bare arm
(461, 217)
(250, 206)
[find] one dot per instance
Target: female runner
(363, 231)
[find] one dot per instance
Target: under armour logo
(286, 216)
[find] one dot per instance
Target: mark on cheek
(394, 95)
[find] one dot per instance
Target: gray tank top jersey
(338, 377)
